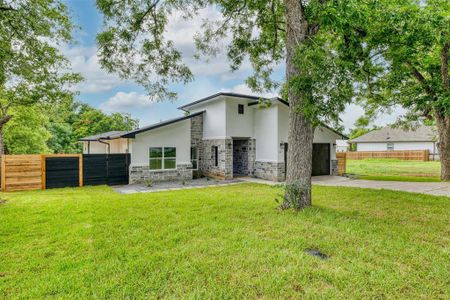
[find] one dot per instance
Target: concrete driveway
(430, 188)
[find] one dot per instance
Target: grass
(223, 242)
(395, 170)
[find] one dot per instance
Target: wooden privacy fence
(342, 162)
(33, 172)
(420, 155)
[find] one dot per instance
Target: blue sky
(111, 94)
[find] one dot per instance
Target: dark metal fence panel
(118, 169)
(110, 169)
(62, 172)
(95, 169)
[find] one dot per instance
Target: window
(390, 146)
(163, 158)
(194, 158)
(241, 109)
(215, 152)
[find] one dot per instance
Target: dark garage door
(321, 159)
(61, 172)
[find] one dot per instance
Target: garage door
(321, 159)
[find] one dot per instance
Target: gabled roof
(390, 134)
(132, 134)
(110, 135)
(234, 95)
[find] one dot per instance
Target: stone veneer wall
(139, 174)
(224, 170)
(197, 141)
(251, 156)
(334, 167)
(273, 171)
(240, 157)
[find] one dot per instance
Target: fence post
(43, 167)
(3, 179)
(80, 167)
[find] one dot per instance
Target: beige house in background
(106, 143)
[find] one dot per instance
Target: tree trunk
(5, 119)
(443, 125)
(2, 144)
(301, 131)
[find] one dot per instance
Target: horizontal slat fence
(21, 172)
(419, 155)
(342, 163)
(34, 172)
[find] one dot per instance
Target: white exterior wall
(321, 135)
(116, 146)
(382, 146)
(214, 118)
(266, 133)
(174, 135)
(239, 125)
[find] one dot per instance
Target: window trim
(162, 158)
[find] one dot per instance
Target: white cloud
(126, 102)
(354, 111)
(182, 31)
(84, 60)
(244, 89)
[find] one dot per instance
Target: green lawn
(223, 242)
(394, 169)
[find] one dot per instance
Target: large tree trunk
(443, 125)
(301, 131)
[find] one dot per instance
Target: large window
(163, 158)
(194, 158)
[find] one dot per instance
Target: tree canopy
(31, 66)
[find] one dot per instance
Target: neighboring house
(342, 146)
(105, 143)
(388, 138)
(223, 136)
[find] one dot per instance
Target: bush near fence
(419, 155)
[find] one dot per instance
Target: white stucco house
(389, 139)
(223, 136)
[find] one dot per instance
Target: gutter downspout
(105, 143)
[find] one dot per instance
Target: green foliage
(256, 30)
(404, 58)
(91, 121)
(31, 66)
(293, 195)
(362, 126)
(27, 133)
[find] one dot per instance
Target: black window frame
(216, 155)
(163, 158)
(240, 109)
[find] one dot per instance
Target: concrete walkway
(430, 188)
